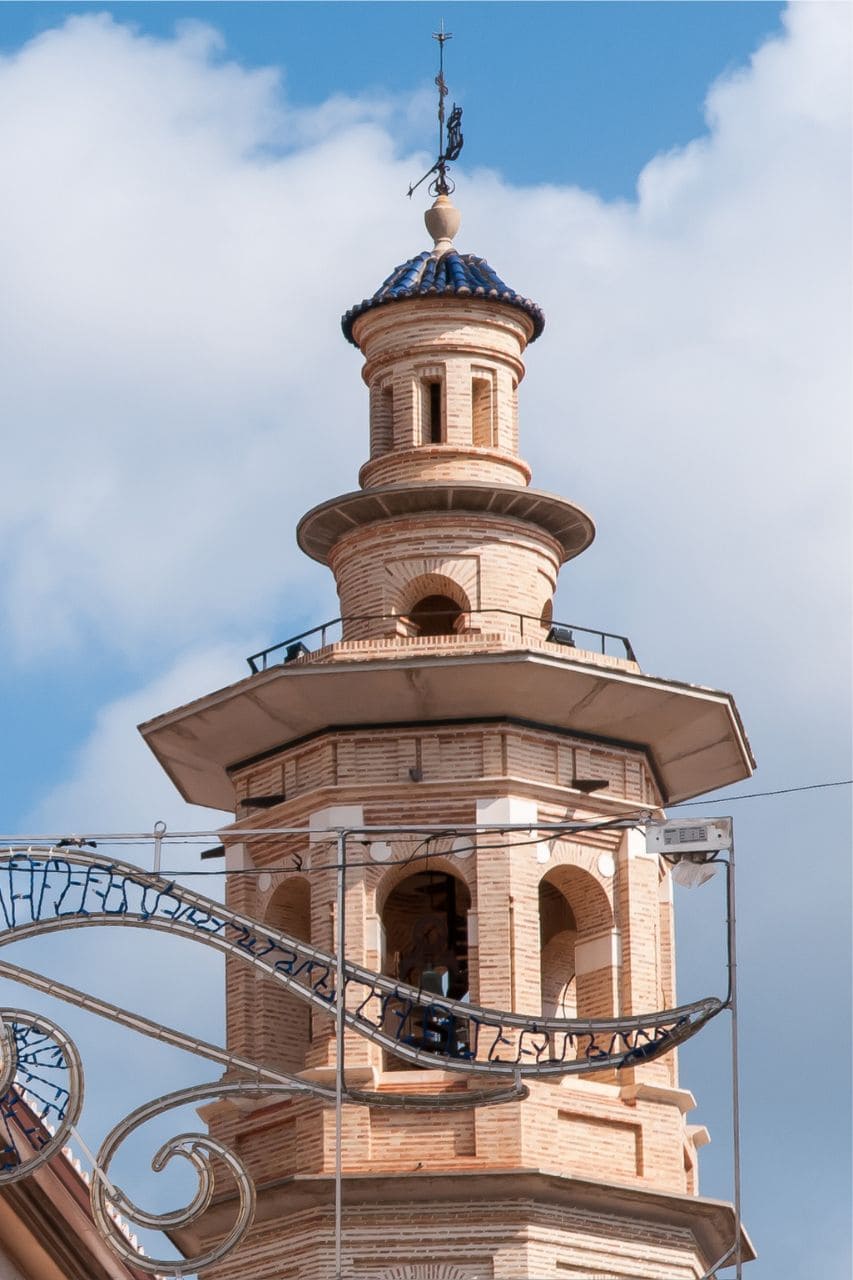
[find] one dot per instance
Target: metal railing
(562, 633)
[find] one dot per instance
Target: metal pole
(340, 1006)
(730, 886)
(159, 832)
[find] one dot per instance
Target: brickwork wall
(451, 1239)
(474, 354)
(582, 1127)
(282, 1022)
(451, 761)
(516, 633)
(434, 464)
(497, 562)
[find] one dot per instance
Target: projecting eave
(693, 736)
(511, 1196)
(321, 528)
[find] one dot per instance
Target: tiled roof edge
(451, 275)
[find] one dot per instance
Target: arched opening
(283, 1021)
(425, 927)
(432, 604)
(558, 933)
(381, 420)
(435, 615)
(482, 408)
(432, 411)
(577, 960)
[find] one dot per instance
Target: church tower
(447, 698)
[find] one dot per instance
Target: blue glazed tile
(454, 275)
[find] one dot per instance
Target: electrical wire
(760, 795)
(422, 851)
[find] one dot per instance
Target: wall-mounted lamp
(294, 651)
(561, 635)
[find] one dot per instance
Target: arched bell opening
(425, 932)
(434, 605)
(558, 934)
(282, 1020)
(435, 616)
(577, 951)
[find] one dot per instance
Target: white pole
(340, 1006)
(735, 1063)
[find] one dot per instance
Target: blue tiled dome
(460, 275)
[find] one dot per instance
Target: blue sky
(189, 213)
(580, 93)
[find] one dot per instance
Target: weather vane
(449, 132)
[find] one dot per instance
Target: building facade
(449, 698)
(47, 1230)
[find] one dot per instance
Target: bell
(431, 982)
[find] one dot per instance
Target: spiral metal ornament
(199, 1150)
(42, 1092)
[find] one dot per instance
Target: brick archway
(410, 578)
(432, 584)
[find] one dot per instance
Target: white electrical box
(689, 835)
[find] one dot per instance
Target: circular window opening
(435, 616)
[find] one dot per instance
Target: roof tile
(460, 275)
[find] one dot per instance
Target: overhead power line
(760, 795)
(422, 852)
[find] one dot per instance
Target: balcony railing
(567, 634)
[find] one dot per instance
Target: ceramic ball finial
(443, 220)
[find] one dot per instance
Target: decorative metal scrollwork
(199, 1150)
(50, 892)
(41, 1083)
(42, 1092)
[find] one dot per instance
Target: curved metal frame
(52, 889)
(307, 972)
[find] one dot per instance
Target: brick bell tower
(450, 697)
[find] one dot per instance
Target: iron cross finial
(442, 37)
(449, 130)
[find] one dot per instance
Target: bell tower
(445, 719)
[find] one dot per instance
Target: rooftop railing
(460, 623)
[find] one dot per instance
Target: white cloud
(164, 271)
(698, 398)
(177, 254)
(114, 782)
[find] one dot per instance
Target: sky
(194, 195)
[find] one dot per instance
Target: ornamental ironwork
(52, 889)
